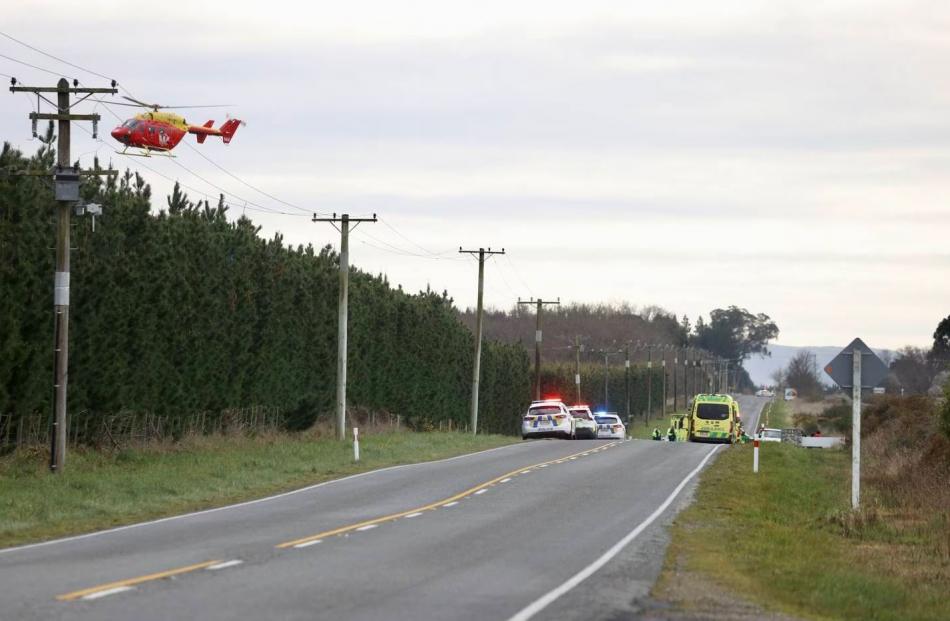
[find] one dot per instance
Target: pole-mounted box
(67, 185)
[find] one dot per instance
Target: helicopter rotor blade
(158, 106)
(142, 103)
(207, 106)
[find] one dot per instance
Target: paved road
(493, 535)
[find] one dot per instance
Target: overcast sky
(691, 155)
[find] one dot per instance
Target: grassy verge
(774, 415)
(785, 540)
(100, 490)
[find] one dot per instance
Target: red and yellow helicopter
(160, 132)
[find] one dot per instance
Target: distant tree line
(731, 333)
(183, 311)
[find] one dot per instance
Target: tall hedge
(184, 311)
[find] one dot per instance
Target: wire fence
(138, 429)
(128, 429)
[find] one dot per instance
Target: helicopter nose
(121, 134)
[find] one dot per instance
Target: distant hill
(761, 368)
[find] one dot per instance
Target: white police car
(610, 426)
(584, 424)
(546, 418)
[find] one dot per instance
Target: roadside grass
(774, 415)
(104, 489)
(779, 539)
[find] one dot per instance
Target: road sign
(873, 369)
(857, 368)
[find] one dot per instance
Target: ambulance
(714, 418)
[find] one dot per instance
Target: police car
(547, 418)
(610, 426)
(584, 424)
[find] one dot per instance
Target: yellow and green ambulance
(714, 418)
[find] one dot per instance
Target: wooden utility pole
(649, 382)
(577, 366)
(626, 382)
(607, 355)
(663, 409)
(343, 311)
(673, 372)
(66, 183)
(686, 363)
(540, 304)
(476, 368)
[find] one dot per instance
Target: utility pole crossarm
(68, 89)
(476, 367)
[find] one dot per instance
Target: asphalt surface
(482, 536)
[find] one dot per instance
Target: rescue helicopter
(159, 132)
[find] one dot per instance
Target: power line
(393, 229)
(65, 62)
(402, 251)
(256, 189)
(241, 198)
(57, 73)
(518, 275)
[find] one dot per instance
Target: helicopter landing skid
(144, 153)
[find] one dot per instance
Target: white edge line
(367, 527)
(545, 600)
(250, 502)
(107, 592)
(307, 544)
(224, 565)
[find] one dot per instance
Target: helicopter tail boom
(202, 136)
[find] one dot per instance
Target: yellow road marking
(429, 507)
(67, 597)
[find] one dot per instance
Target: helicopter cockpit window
(131, 123)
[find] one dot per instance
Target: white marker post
(856, 431)
(356, 444)
(755, 455)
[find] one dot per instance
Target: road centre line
(505, 480)
(107, 592)
(481, 491)
(308, 543)
(130, 582)
(367, 527)
(449, 504)
(224, 565)
(416, 514)
(548, 598)
(429, 507)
